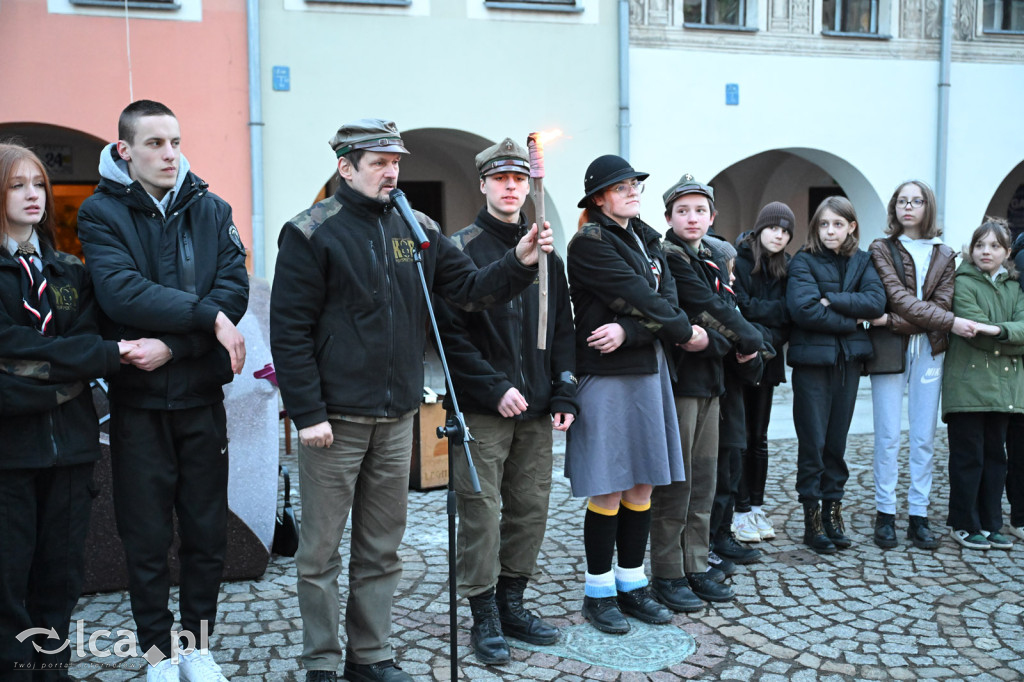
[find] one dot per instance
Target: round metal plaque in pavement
(645, 648)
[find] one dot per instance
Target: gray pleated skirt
(627, 433)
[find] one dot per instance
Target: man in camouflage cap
(347, 331)
(513, 394)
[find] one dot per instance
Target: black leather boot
(814, 534)
(885, 530)
(605, 615)
(516, 620)
(832, 523)
(486, 637)
(921, 534)
(641, 605)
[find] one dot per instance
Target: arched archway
(793, 176)
(441, 171)
(1008, 200)
(72, 161)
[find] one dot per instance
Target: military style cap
(504, 157)
(371, 134)
(687, 185)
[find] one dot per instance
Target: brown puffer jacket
(909, 314)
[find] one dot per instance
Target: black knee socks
(633, 531)
(599, 533)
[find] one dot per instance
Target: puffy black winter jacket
(138, 259)
(824, 335)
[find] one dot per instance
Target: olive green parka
(985, 374)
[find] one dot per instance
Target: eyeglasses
(916, 203)
(627, 188)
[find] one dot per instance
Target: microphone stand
(454, 429)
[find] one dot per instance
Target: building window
(161, 10)
(715, 12)
(854, 17)
(132, 4)
(541, 5)
(1004, 16)
(394, 3)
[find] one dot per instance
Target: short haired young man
(681, 511)
(347, 330)
(168, 268)
(513, 394)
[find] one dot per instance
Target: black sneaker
(724, 565)
(382, 671)
(726, 546)
(639, 604)
(708, 589)
(676, 594)
(604, 614)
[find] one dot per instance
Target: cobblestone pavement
(861, 614)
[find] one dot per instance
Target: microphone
(397, 197)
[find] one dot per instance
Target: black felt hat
(604, 171)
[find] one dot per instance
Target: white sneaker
(164, 671)
(199, 666)
(745, 528)
(970, 540)
(764, 525)
(1017, 532)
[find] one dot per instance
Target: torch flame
(548, 135)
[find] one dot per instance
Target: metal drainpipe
(942, 147)
(624, 79)
(252, 8)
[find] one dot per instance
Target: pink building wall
(72, 71)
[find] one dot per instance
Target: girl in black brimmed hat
(626, 439)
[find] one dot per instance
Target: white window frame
(180, 10)
(748, 8)
(992, 30)
(880, 20)
(418, 8)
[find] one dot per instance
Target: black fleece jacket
(347, 317)
(611, 280)
(46, 411)
(494, 350)
(708, 305)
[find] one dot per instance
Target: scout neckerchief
(653, 262)
(717, 271)
(33, 287)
